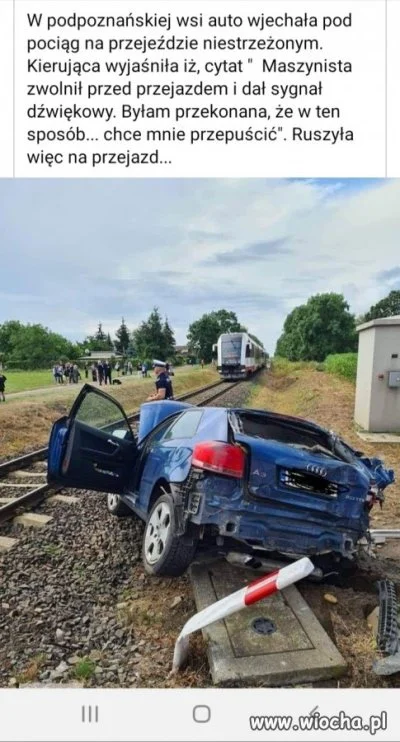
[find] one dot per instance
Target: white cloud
(102, 249)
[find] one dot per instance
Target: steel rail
(32, 498)
(37, 495)
(21, 462)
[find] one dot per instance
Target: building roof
(96, 355)
(393, 320)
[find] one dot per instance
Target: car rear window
(185, 426)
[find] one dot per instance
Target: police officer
(163, 383)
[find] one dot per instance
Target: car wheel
(116, 506)
(165, 553)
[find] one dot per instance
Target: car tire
(116, 506)
(164, 553)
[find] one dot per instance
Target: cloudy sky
(78, 252)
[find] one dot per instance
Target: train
(239, 355)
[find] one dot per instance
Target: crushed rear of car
(217, 479)
(283, 484)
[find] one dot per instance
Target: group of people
(101, 371)
(126, 368)
(66, 371)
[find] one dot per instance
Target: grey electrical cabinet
(394, 379)
(377, 403)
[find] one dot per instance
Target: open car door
(94, 447)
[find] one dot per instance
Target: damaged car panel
(206, 478)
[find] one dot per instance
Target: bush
(24, 366)
(179, 361)
(282, 366)
(342, 364)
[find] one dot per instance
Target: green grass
(84, 669)
(52, 549)
(22, 381)
(342, 364)
(282, 366)
(339, 364)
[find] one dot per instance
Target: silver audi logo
(315, 469)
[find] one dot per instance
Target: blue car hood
(153, 413)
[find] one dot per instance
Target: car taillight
(219, 457)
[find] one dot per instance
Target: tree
(100, 335)
(149, 337)
(318, 328)
(204, 332)
(99, 341)
(359, 319)
(9, 332)
(169, 340)
(291, 343)
(385, 307)
(123, 338)
(228, 321)
(131, 349)
(33, 346)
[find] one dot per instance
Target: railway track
(23, 482)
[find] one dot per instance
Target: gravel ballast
(76, 607)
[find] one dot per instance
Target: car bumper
(219, 503)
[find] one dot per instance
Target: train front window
(231, 349)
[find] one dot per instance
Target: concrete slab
(297, 650)
(31, 485)
(67, 499)
(21, 474)
(7, 543)
(32, 519)
(378, 437)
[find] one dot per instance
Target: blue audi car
(215, 478)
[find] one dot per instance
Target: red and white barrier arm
(257, 590)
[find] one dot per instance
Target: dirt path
(54, 389)
(57, 389)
